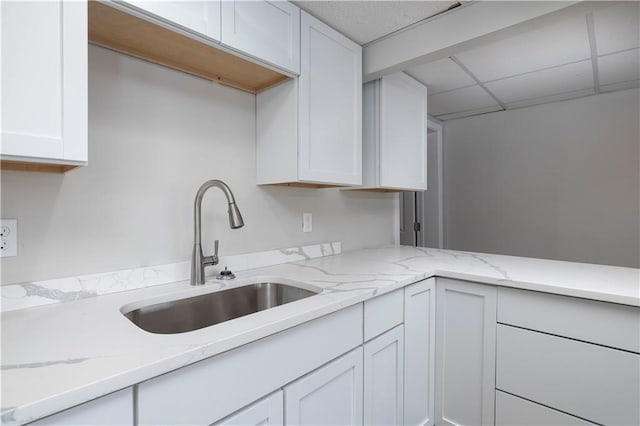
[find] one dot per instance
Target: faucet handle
(215, 248)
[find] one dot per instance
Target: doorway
(421, 213)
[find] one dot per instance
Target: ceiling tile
(624, 66)
(466, 99)
(561, 43)
(365, 21)
(440, 76)
(551, 98)
(616, 27)
(566, 78)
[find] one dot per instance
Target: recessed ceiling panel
(616, 27)
(365, 21)
(624, 66)
(561, 43)
(440, 76)
(466, 99)
(566, 78)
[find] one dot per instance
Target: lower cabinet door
(331, 395)
(268, 411)
(419, 352)
(465, 353)
(384, 378)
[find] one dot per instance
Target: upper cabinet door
(268, 30)
(201, 17)
(44, 81)
(403, 133)
(330, 103)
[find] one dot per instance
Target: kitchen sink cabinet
(331, 395)
(267, 30)
(44, 85)
(419, 352)
(394, 134)
(266, 412)
(309, 129)
(465, 353)
(115, 409)
(205, 392)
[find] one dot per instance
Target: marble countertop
(61, 355)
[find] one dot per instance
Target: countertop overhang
(58, 356)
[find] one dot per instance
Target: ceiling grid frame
(477, 80)
(591, 32)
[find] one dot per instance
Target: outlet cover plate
(9, 237)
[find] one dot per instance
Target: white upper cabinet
(330, 105)
(309, 130)
(201, 17)
(267, 30)
(395, 134)
(44, 82)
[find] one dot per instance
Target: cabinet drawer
(514, 411)
(204, 392)
(589, 381)
(603, 323)
(383, 313)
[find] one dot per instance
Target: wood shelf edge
(123, 32)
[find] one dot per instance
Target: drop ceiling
(581, 55)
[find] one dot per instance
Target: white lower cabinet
(465, 353)
(384, 378)
(115, 409)
(419, 352)
(268, 411)
(331, 395)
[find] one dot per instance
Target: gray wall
(154, 136)
(558, 181)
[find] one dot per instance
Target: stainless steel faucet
(198, 261)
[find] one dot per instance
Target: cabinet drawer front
(589, 381)
(604, 323)
(211, 389)
(514, 411)
(383, 313)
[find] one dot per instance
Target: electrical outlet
(307, 223)
(8, 237)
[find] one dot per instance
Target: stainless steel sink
(193, 313)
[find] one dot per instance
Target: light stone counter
(60, 355)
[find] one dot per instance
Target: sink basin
(193, 313)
